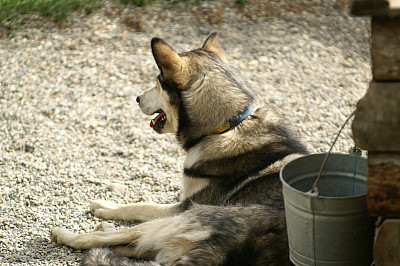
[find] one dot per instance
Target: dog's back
(259, 147)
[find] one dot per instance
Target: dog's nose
(138, 99)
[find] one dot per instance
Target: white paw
(60, 235)
(103, 209)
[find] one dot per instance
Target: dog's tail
(105, 256)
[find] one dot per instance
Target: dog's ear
(171, 65)
(212, 45)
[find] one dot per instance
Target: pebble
(117, 188)
(70, 125)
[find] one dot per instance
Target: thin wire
(312, 191)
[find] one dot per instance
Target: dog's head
(195, 92)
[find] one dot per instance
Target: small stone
(117, 188)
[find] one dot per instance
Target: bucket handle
(314, 190)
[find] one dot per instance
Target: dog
(231, 208)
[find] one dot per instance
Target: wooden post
(385, 48)
(376, 128)
(376, 125)
(383, 184)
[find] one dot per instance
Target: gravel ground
(70, 129)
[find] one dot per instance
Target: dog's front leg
(141, 212)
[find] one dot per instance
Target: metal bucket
(333, 227)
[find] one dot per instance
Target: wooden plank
(376, 8)
(376, 125)
(365, 7)
(387, 240)
(383, 184)
(385, 49)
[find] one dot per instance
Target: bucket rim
(306, 194)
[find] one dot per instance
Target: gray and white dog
(231, 210)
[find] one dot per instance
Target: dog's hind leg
(95, 239)
(141, 212)
(164, 240)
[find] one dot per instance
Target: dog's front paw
(103, 209)
(60, 235)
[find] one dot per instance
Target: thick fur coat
(231, 210)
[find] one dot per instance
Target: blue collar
(234, 121)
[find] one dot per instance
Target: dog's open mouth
(159, 121)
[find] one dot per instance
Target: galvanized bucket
(333, 227)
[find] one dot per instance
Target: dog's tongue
(158, 117)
